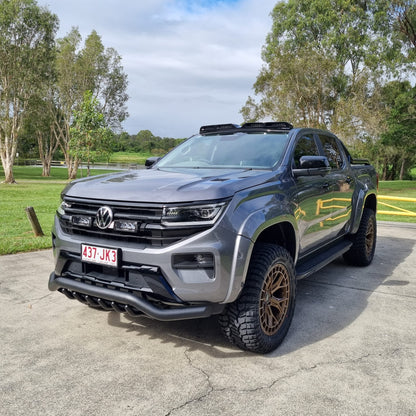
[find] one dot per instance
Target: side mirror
(312, 165)
(151, 161)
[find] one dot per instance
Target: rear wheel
(260, 318)
(364, 244)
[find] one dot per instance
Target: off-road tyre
(364, 241)
(260, 318)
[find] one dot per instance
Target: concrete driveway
(350, 350)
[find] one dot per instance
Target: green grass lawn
(31, 189)
(130, 157)
(400, 189)
(43, 194)
(57, 173)
(16, 233)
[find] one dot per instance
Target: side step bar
(315, 261)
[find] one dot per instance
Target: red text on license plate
(99, 255)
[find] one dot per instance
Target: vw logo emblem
(104, 217)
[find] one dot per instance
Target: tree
(299, 87)
(146, 139)
(92, 68)
(400, 136)
(90, 136)
(39, 123)
(68, 95)
(403, 14)
(355, 33)
(323, 62)
(26, 52)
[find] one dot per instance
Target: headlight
(192, 215)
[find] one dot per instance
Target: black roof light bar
(269, 125)
(230, 128)
(215, 128)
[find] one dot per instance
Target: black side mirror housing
(312, 165)
(151, 161)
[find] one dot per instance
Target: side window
(306, 146)
(332, 151)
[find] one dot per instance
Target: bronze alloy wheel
(258, 320)
(274, 299)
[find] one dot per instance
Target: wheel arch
(371, 202)
(363, 201)
(282, 234)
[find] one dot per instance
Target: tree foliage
(43, 81)
(145, 142)
(353, 33)
(39, 125)
(399, 139)
(403, 13)
(299, 87)
(90, 136)
(317, 57)
(91, 68)
(26, 52)
(326, 63)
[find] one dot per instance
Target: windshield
(239, 150)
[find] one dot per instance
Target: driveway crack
(209, 389)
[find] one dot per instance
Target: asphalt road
(350, 350)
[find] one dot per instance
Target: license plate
(100, 255)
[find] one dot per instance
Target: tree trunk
(71, 162)
(402, 169)
(46, 167)
(8, 148)
(8, 170)
(72, 165)
(384, 175)
(50, 143)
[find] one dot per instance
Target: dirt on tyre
(259, 319)
(364, 241)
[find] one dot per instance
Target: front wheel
(364, 243)
(260, 318)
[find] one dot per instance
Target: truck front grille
(145, 223)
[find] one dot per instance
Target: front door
(310, 192)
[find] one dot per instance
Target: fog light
(204, 260)
(193, 261)
(195, 264)
(129, 226)
(81, 220)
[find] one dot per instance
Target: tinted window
(332, 151)
(239, 150)
(306, 146)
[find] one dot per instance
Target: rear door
(341, 186)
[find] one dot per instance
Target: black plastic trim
(317, 260)
(173, 314)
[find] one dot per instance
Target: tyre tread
(357, 255)
(240, 321)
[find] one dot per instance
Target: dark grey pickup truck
(223, 224)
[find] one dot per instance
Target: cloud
(188, 63)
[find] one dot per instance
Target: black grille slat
(149, 219)
(122, 216)
(79, 211)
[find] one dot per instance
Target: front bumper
(109, 299)
(147, 278)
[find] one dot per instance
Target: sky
(188, 62)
